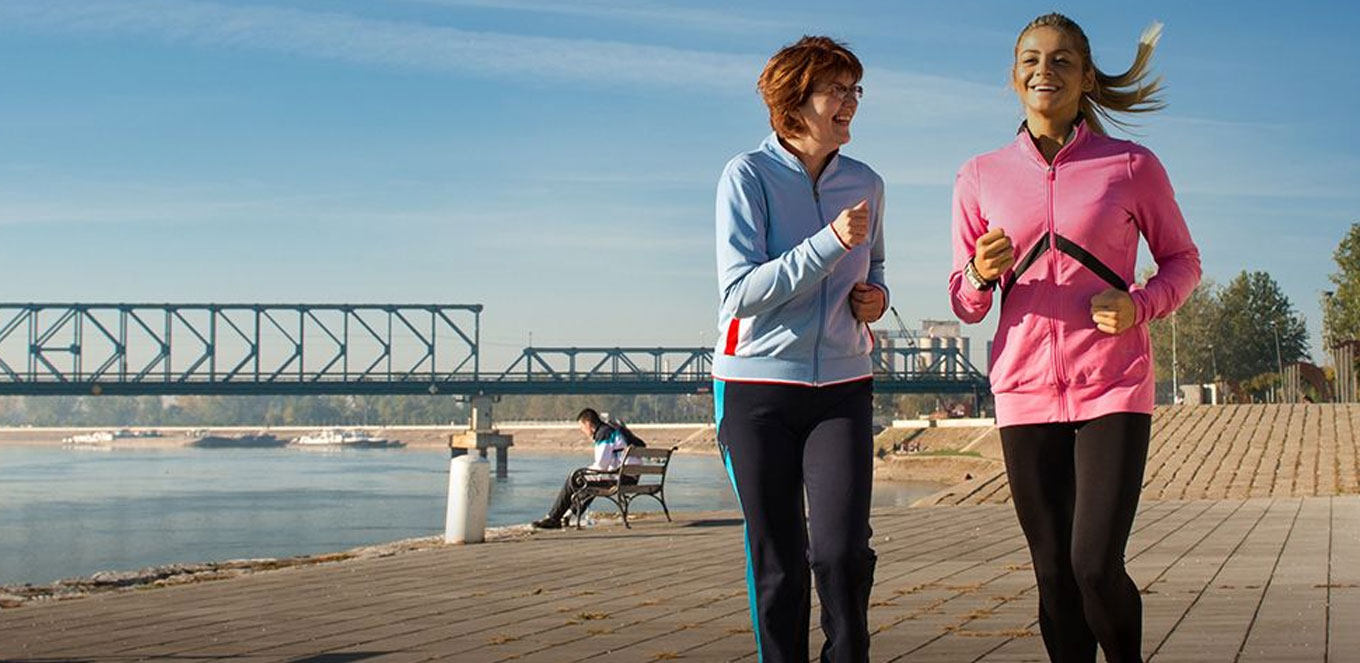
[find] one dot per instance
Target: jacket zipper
(821, 287)
(821, 297)
(1050, 175)
(1059, 373)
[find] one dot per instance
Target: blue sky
(556, 161)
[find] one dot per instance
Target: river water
(72, 512)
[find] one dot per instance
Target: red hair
(789, 76)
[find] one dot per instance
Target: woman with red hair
(800, 275)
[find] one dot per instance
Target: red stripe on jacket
(733, 331)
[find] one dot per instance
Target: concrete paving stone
(1277, 578)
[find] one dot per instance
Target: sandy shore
(922, 465)
(14, 596)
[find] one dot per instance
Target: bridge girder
(333, 349)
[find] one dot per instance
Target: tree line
(1242, 333)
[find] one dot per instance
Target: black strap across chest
(1070, 248)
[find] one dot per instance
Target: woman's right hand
(852, 226)
(994, 254)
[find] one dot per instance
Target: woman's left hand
(1113, 311)
(866, 302)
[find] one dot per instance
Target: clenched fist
(1113, 311)
(866, 302)
(994, 254)
(852, 226)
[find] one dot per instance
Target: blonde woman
(1049, 226)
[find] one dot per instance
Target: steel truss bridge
(307, 349)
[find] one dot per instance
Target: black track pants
(779, 441)
(578, 480)
(1075, 488)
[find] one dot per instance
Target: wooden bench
(645, 475)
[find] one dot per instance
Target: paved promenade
(1228, 452)
(1262, 579)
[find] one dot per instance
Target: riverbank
(927, 453)
(75, 512)
(173, 575)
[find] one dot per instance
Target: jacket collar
(1079, 134)
(603, 431)
(776, 149)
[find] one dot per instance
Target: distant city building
(936, 339)
(941, 328)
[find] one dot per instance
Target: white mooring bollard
(469, 487)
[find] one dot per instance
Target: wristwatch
(975, 279)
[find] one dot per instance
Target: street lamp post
(1213, 365)
(1327, 296)
(1175, 365)
(1279, 362)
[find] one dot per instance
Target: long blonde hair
(1129, 92)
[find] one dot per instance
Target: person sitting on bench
(610, 444)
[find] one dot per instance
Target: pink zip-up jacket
(1074, 225)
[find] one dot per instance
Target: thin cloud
(632, 11)
(661, 179)
(915, 98)
(346, 38)
(73, 200)
(1223, 124)
(898, 98)
(197, 210)
(729, 20)
(690, 234)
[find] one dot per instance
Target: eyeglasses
(841, 93)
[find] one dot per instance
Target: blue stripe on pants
(784, 447)
(719, 388)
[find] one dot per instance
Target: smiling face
(1050, 73)
(828, 111)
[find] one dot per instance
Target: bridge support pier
(482, 435)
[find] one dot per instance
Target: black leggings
(779, 441)
(1075, 487)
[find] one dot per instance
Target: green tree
(11, 411)
(1255, 316)
(54, 411)
(319, 410)
(111, 411)
(1341, 308)
(1198, 351)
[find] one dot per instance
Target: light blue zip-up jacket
(784, 277)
